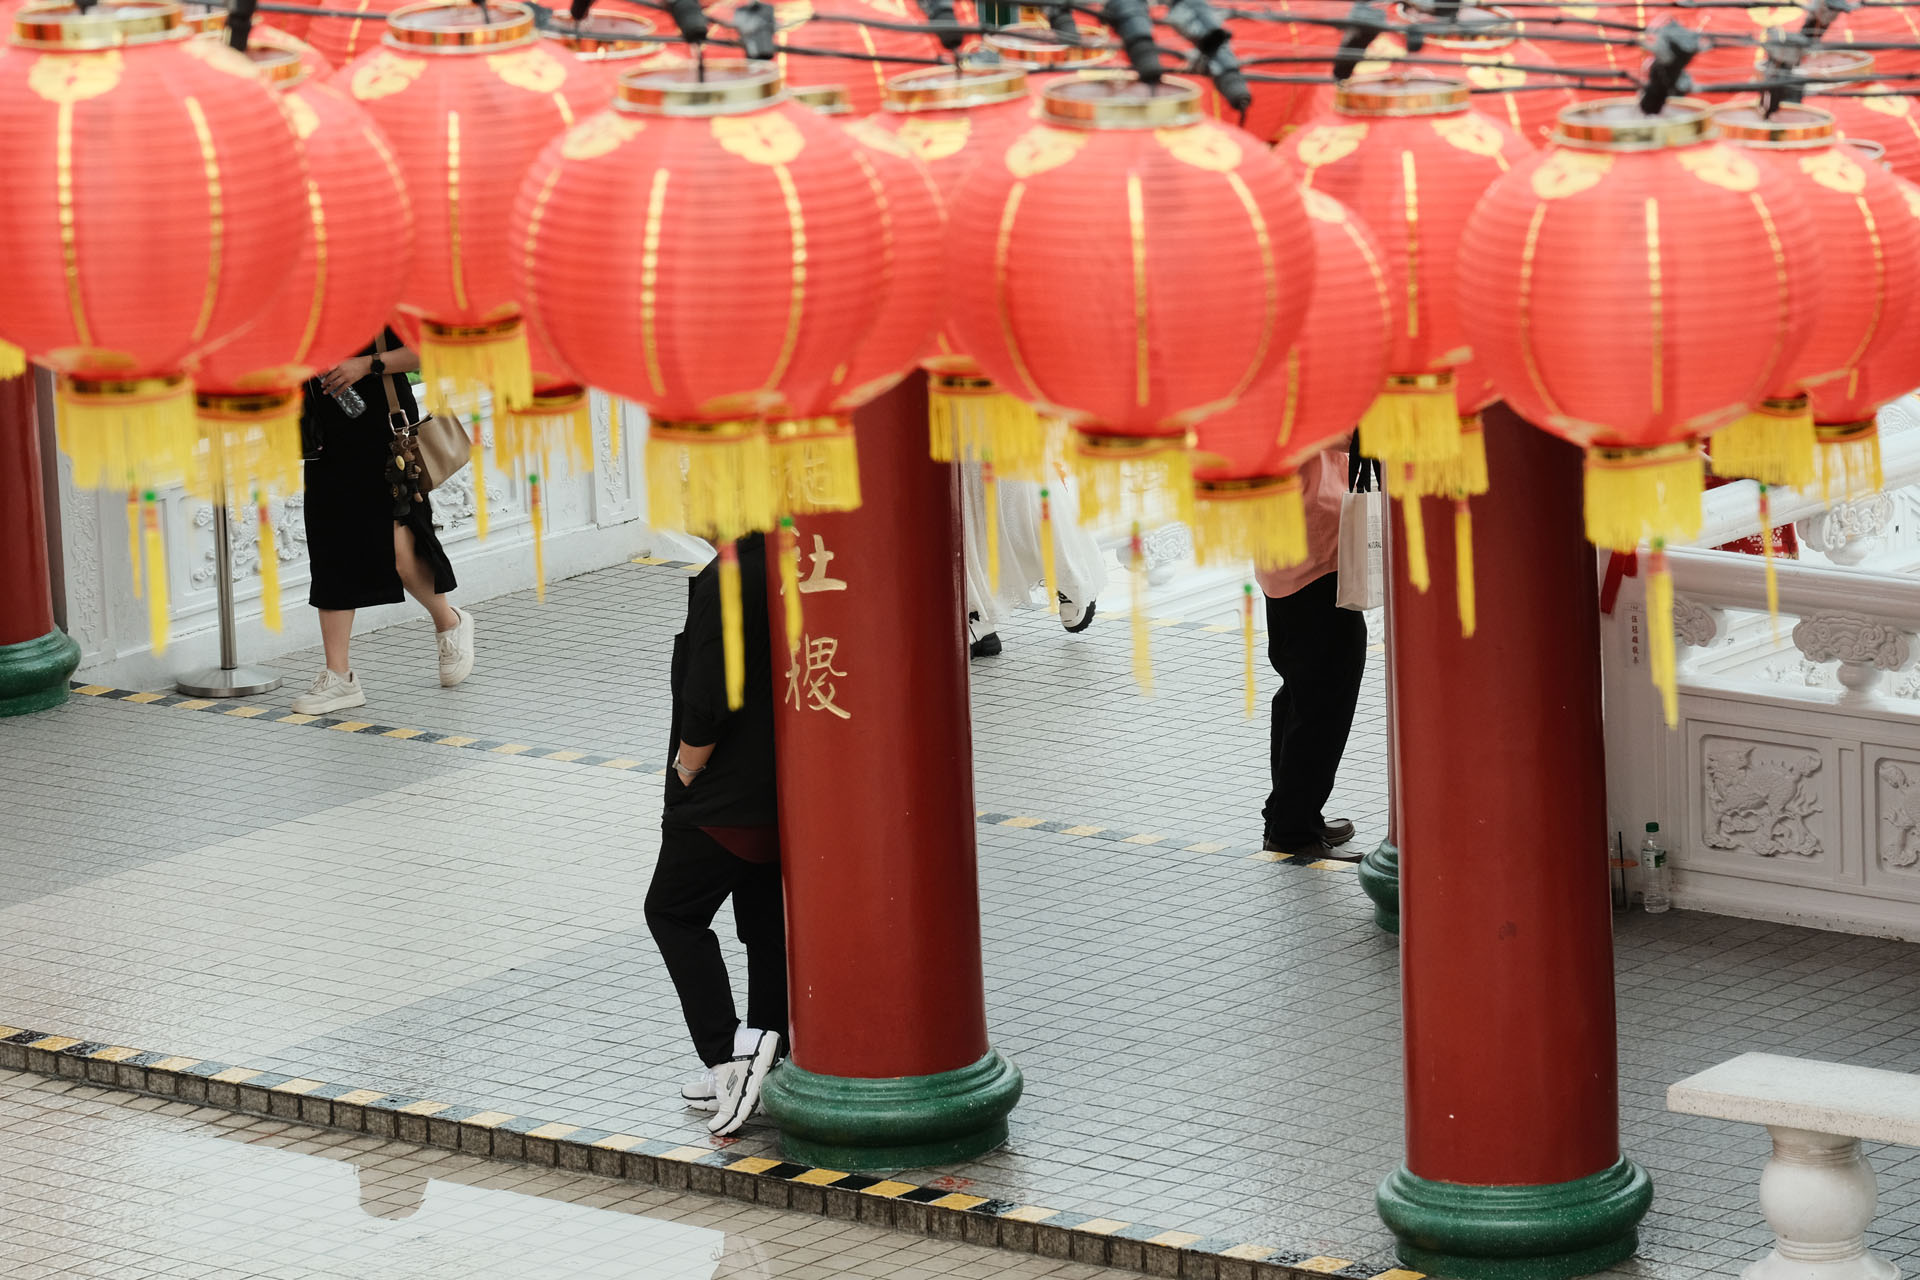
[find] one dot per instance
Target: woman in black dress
(369, 533)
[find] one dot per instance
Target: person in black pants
(720, 839)
(1320, 652)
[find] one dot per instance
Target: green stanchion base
(1543, 1232)
(903, 1122)
(33, 673)
(1380, 879)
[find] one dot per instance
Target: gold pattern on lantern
(936, 139)
(1492, 73)
(1325, 143)
(1472, 133)
(600, 135)
(868, 134)
(75, 77)
(791, 13)
(1204, 148)
(765, 137)
(384, 75)
(534, 70)
(301, 115)
(1721, 166)
(1322, 207)
(1043, 147)
(1833, 170)
(1778, 15)
(222, 57)
(1890, 105)
(1569, 172)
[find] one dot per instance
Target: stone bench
(1817, 1191)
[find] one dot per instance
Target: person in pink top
(1319, 651)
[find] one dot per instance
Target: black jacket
(737, 787)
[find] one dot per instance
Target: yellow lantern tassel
(1849, 452)
(1246, 636)
(714, 479)
(817, 464)
(790, 585)
(1463, 586)
(1047, 574)
(480, 517)
(1772, 443)
(539, 539)
(1132, 478)
(269, 564)
(1263, 520)
(1412, 420)
(145, 428)
(1142, 628)
(1643, 494)
(990, 486)
(1660, 633)
(1464, 474)
(1416, 526)
(157, 611)
(1766, 555)
(732, 643)
(970, 418)
(133, 537)
(13, 361)
(457, 362)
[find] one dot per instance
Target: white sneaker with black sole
(740, 1080)
(701, 1092)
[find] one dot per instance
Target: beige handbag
(439, 443)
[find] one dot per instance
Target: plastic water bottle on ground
(1656, 891)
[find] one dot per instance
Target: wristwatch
(377, 368)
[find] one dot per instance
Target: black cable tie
(941, 11)
(1364, 23)
(1673, 48)
(691, 19)
(1134, 25)
(240, 23)
(753, 23)
(579, 9)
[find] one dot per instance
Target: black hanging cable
(1200, 26)
(753, 23)
(1785, 51)
(940, 12)
(240, 23)
(1673, 48)
(1364, 22)
(1134, 25)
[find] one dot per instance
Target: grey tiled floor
(99, 1184)
(1210, 1041)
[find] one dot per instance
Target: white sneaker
(456, 651)
(740, 1080)
(330, 691)
(701, 1092)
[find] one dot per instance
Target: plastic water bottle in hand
(351, 402)
(1656, 891)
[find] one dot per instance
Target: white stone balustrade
(1817, 1191)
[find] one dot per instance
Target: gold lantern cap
(454, 26)
(827, 99)
(1874, 153)
(1836, 64)
(201, 18)
(1401, 93)
(1038, 47)
(1618, 124)
(727, 89)
(955, 89)
(1793, 126)
(1122, 102)
(62, 25)
(610, 36)
(281, 68)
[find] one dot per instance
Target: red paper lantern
(1269, 47)
(341, 40)
(1889, 25)
(469, 97)
(1861, 279)
(1247, 502)
(1049, 57)
(612, 42)
(1492, 55)
(285, 42)
(337, 293)
(847, 26)
(950, 120)
(1734, 37)
(154, 195)
(711, 345)
(1611, 54)
(1130, 267)
(1407, 154)
(1842, 83)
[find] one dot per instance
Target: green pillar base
(1542, 1232)
(33, 673)
(902, 1122)
(1380, 879)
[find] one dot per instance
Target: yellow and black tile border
(628, 763)
(498, 1135)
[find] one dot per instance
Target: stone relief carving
(1852, 638)
(243, 531)
(79, 518)
(1846, 531)
(1899, 814)
(1695, 624)
(1760, 806)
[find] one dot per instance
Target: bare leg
(418, 579)
(336, 636)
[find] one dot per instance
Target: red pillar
(891, 1066)
(1513, 1158)
(36, 657)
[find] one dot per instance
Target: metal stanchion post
(229, 679)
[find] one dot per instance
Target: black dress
(350, 506)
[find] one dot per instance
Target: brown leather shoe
(1337, 832)
(1313, 851)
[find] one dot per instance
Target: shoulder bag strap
(395, 414)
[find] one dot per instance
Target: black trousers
(1320, 651)
(694, 876)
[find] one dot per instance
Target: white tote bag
(1362, 550)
